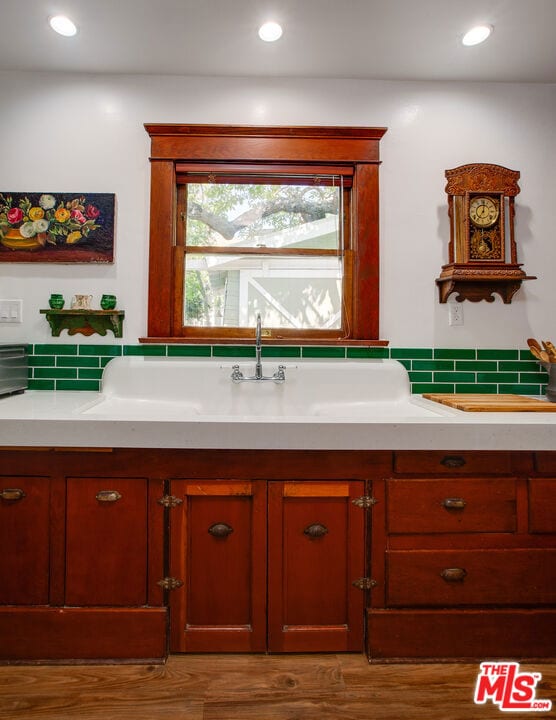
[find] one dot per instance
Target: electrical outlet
(455, 313)
(11, 311)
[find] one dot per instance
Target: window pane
(263, 215)
(288, 292)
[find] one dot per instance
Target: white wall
(84, 133)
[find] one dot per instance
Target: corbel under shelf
(85, 322)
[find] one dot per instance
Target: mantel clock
(482, 250)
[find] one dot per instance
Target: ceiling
(378, 39)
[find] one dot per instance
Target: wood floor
(253, 687)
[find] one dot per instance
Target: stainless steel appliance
(13, 369)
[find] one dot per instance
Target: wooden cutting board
(482, 402)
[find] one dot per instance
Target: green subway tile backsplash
(79, 367)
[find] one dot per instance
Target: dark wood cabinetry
(465, 572)
(445, 555)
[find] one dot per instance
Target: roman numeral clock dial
(482, 253)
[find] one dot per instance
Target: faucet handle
(237, 375)
(280, 375)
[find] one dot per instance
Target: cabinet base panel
(54, 634)
(470, 635)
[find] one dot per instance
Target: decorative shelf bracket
(85, 322)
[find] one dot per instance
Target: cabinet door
(316, 551)
(106, 541)
(218, 551)
(24, 540)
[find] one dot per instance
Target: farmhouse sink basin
(175, 388)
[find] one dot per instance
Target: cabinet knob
(12, 494)
(453, 574)
(108, 496)
(315, 531)
(454, 503)
(220, 530)
(453, 461)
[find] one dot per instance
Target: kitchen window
(277, 221)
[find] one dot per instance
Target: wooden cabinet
(465, 558)
(254, 555)
(82, 551)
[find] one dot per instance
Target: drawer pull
(453, 461)
(108, 496)
(454, 503)
(315, 531)
(12, 494)
(453, 574)
(220, 530)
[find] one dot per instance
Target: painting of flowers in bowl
(57, 227)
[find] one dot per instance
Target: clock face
(484, 211)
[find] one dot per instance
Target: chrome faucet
(279, 376)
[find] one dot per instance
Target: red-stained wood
(155, 546)
(452, 462)
(24, 541)
(221, 605)
(313, 605)
(57, 590)
(542, 505)
(106, 542)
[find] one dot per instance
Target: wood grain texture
(484, 402)
(257, 687)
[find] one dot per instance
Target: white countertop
(55, 419)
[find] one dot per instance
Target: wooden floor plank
(253, 687)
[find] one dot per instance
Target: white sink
(176, 388)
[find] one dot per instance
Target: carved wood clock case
(482, 250)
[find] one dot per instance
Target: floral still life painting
(57, 227)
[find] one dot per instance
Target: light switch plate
(11, 311)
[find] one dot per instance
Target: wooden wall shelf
(85, 322)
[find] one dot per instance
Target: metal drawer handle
(12, 494)
(454, 503)
(220, 530)
(453, 461)
(453, 574)
(315, 531)
(108, 496)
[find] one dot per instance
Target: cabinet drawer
(471, 577)
(545, 462)
(452, 463)
(446, 506)
(542, 505)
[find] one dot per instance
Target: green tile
(112, 350)
(41, 361)
(520, 389)
(476, 365)
(454, 354)
(233, 351)
(497, 377)
(79, 361)
(89, 373)
(51, 349)
(78, 385)
(406, 363)
(519, 366)
(497, 354)
(476, 388)
(432, 365)
(368, 352)
(420, 388)
(41, 384)
(55, 372)
(411, 353)
(324, 351)
(189, 350)
(420, 377)
(540, 377)
(104, 361)
(150, 350)
(525, 354)
(278, 351)
(456, 377)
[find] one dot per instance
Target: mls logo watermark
(504, 685)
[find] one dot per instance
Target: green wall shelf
(85, 322)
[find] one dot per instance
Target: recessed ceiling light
(63, 25)
(477, 35)
(270, 31)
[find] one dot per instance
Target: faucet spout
(279, 376)
(258, 348)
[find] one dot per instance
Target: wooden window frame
(175, 147)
